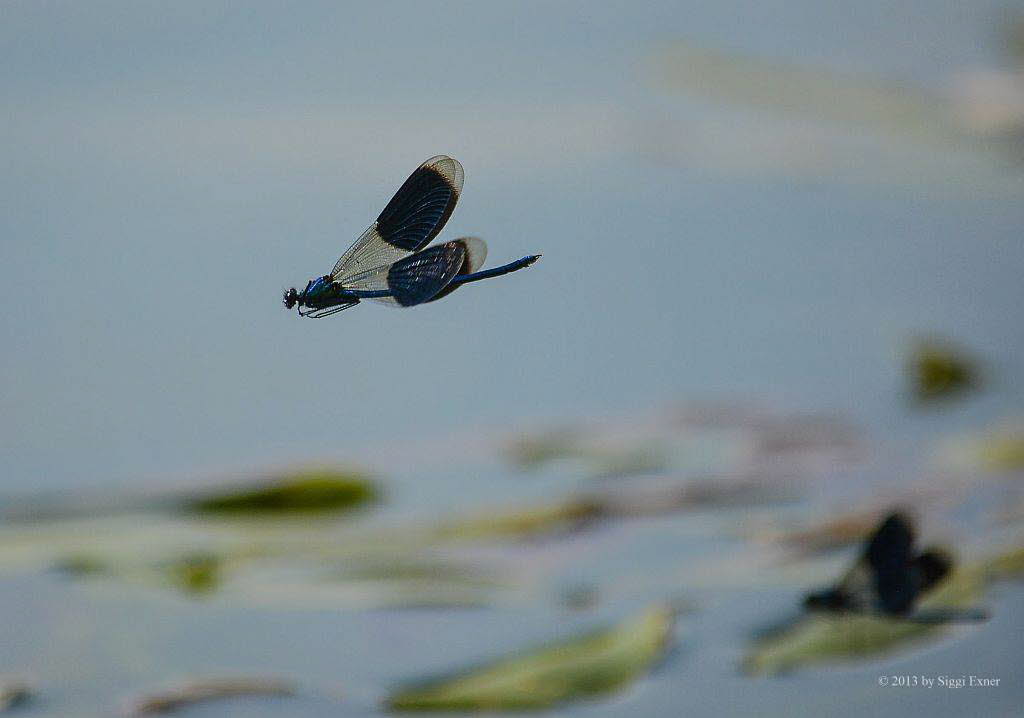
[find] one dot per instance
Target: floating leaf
(592, 665)
(999, 450)
(1003, 451)
(1009, 565)
(820, 638)
(522, 523)
(307, 492)
(196, 573)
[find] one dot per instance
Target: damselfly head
(291, 297)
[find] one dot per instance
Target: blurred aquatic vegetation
(809, 435)
(196, 573)
(1006, 566)
(637, 460)
(628, 499)
(592, 665)
(305, 492)
(534, 452)
(14, 693)
(1000, 449)
(80, 565)
(756, 113)
(191, 692)
(373, 563)
(663, 495)
(301, 493)
(847, 528)
(559, 517)
(418, 581)
(832, 534)
(787, 87)
(697, 438)
(937, 369)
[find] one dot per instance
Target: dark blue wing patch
(889, 554)
(422, 205)
(416, 279)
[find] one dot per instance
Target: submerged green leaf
(568, 515)
(591, 665)
(1008, 565)
(997, 450)
(306, 492)
(196, 573)
(821, 638)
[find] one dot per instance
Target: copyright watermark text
(910, 680)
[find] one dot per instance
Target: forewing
(416, 279)
(889, 556)
(413, 217)
(369, 253)
(476, 254)
(880, 578)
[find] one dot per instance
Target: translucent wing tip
(476, 254)
(449, 168)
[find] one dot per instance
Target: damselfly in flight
(388, 263)
(891, 577)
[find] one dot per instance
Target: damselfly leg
(321, 313)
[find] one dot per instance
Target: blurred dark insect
(200, 691)
(938, 370)
(826, 636)
(889, 578)
(13, 693)
(388, 262)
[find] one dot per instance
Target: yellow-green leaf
(304, 492)
(583, 667)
